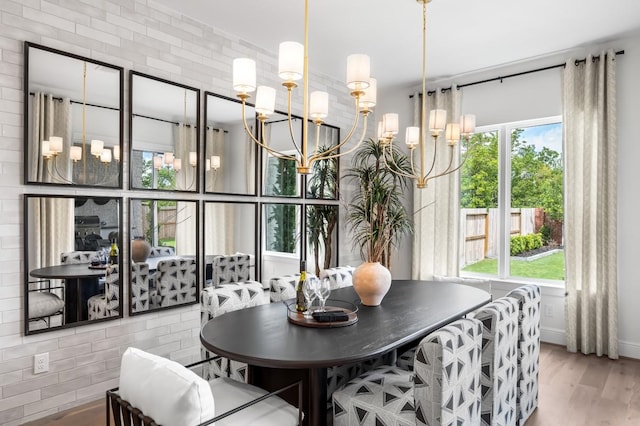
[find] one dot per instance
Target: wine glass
(310, 291)
(324, 290)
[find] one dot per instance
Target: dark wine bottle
(301, 306)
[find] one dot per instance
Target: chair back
(529, 299)
(74, 257)
(447, 375)
(176, 281)
(499, 360)
(112, 290)
(340, 276)
(231, 269)
(139, 287)
(284, 287)
(162, 251)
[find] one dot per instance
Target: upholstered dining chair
(139, 287)
(45, 302)
(108, 304)
(74, 257)
(157, 391)
(284, 287)
(175, 282)
(499, 361)
(230, 269)
(529, 299)
(443, 388)
(340, 276)
(216, 301)
(158, 251)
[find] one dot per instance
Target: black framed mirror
(73, 119)
(230, 241)
(164, 134)
(323, 181)
(230, 154)
(279, 176)
(281, 239)
(163, 235)
(72, 275)
(322, 245)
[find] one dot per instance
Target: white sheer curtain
(589, 110)
(436, 207)
(185, 137)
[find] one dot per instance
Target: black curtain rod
(215, 129)
(500, 79)
(161, 119)
(80, 102)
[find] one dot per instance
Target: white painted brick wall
(149, 38)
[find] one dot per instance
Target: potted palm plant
(376, 216)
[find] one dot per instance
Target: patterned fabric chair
(162, 251)
(528, 298)
(74, 257)
(340, 276)
(175, 282)
(443, 389)
(139, 287)
(216, 301)
(284, 287)
(231, 269)
(499, 361)
(108, 304)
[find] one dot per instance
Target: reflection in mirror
(280, 178)
(71, 277)
(230, 155)
(322, 182)
(164, 253)
(281, 240)
(165, 119)
(230, 230)
(73, 119)
(322, 237)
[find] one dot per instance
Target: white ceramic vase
(371, 281)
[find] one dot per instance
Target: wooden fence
(480, 230)
(166, 221)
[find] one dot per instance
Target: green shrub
(522, 243)
(545, 231)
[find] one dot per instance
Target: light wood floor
(574, 389)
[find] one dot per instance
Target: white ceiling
(463, 36)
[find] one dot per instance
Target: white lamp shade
(116, 152)
(467, 124)
(368, 100)
(358, 71)
(390, 124)
(290, 60)
(177, 164)
(193, 158)
(215, 162)
(157, 162)
(265, 100)
(105, 157)
(244, 75)
(168, 158)
(55, 144)
(437, 120)
(452, 133)
(46, 151)
(75, 153)
(97, 146)
(412, 136)
(318, 104)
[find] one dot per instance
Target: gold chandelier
(417, 136)
(293, 66)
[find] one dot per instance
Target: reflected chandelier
(416, 136)
(293, 66)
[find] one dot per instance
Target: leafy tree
(479, 176)
(166, 177)
(282, 218)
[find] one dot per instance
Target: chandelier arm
(353, 127)
(396, 170)
(464, 159)
(290, 120)
(413, 170)
(435, 156)
(350, 150)
(257, 141)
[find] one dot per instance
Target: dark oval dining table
(279, 352)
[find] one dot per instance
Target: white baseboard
(553, 335)
(629, 349)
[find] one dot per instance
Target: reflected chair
(284, 287)
(340, 276)
(175, 283)
(230, 269)
(529, 299)
(74, 257)
(106, 305)
(443, 389)
(139, 287)
(162, 251)
(44, 304)
(216, 301)
(157, 391)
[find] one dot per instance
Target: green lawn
(550, 267)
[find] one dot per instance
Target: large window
(511, 201)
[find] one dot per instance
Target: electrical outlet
(41, 363)
(548, 311)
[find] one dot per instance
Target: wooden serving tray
(298, 318)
